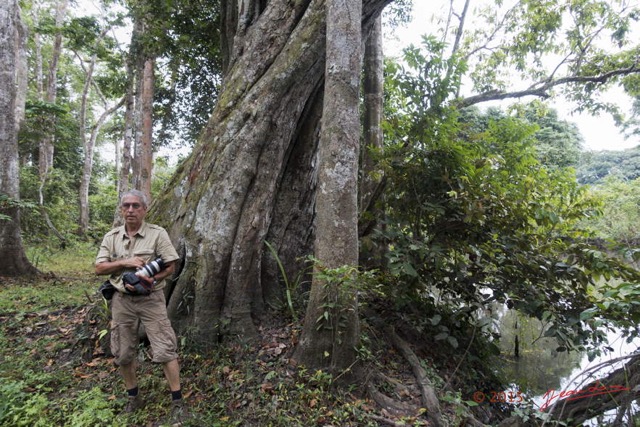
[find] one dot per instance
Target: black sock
(132, 392)
(176, 395)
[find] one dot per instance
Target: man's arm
(169, 268)
(108, 267)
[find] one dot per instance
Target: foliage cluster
(620, 217)
(479, 210)
(92, 52)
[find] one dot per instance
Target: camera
(139, 279)
(151, 269)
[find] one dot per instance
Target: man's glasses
(131, 205)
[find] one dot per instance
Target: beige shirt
(150, 242)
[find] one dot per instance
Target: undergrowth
(49, 378)
(56, 370)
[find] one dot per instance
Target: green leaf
(441, 336)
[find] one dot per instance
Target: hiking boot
(179, 413)
(134, 403)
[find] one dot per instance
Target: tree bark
(143, 151)
(373, 83)
(12, 77)
(254, 160)
(46, 148)
(331, 326)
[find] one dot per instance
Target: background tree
(85, 35)
(620, 219)
(594, 167)
(12, 90)
(142, 58)
(173, 78)
(558, 142)
(48, 92)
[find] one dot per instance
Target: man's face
(133, 211)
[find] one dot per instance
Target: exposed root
(390, 405)
(401, 389)
(429, 398)
(385, 420)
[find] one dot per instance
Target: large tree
(12, 91)
(252, 175)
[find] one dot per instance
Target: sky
(600, 133)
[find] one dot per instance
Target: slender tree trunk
(46, 148)
(12, 78)
(331, 326)
(143, 154)
(137, 166)
(124, 155)
(253, 173)
(373, 82)
(87, 166)
(89, 134)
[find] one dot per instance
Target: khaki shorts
(127, 311)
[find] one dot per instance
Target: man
(126, 249)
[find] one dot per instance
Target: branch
(542, 89)
(617, 390)
(106, 114)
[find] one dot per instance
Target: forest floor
(56, 369)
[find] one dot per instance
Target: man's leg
(135, 401)
(129, 374)
(124, 343)
(172, 374)
(179, 411)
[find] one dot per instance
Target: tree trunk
(137, 152)
(12, 78)
(331, 326)
(252, 174)
(87, 167)
(143, 154)
(617, 390)
(373, 83)
(46, 148)
(371, 177)
(124, 169)
(89, 139)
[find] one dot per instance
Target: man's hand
(143, 285)
(110, 267)
(134, 262)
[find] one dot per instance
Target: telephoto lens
(151, 268)
(143, 286)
